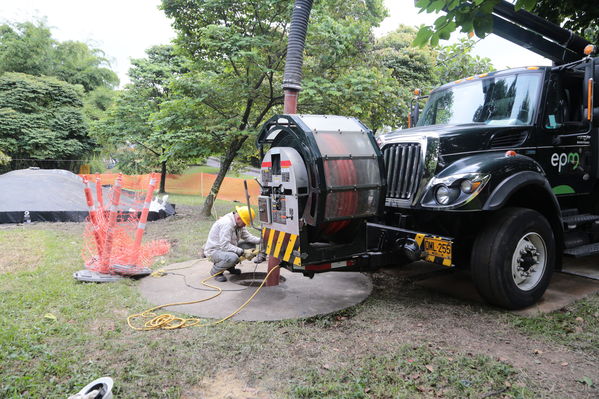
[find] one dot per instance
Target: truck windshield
(503, 100)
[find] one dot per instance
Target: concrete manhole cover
(252, 279)
(295, 297)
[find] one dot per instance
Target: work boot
(260, 258)
(220, 278)
(234, 270)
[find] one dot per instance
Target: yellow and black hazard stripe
(281, 245)
(431, 258)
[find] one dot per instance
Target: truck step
(569, 212)
(579, 219)
(583, 250)
(573, 239)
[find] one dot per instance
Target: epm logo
(563, 159)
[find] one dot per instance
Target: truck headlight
(445, 195)
(453, 191)
(467, 186)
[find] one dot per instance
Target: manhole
(251, 279)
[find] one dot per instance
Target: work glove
(248, 254)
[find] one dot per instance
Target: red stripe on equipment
(266, 164)
(324, 266)
(285, 164)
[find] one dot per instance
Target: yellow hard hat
(244, 214)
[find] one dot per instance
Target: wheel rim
(529, 261)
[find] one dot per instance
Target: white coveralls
(223, 240)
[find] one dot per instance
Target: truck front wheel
(513, 258)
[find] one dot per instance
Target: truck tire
(513, 258)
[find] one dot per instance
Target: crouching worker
(228, 240)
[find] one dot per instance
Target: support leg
(273, 279)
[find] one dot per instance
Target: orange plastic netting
(112, 237)
(231, 189)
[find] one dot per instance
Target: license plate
(438, 248)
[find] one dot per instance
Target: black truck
(500, 174)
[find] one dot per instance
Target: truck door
(566, 155)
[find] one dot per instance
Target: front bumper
(388, 246)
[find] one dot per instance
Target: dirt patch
(427, 317)
(20, 251)
(224, 386)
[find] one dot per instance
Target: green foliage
(4, 159)
(26, 48)
(136, 159)
(97, 102)
(41, 117)
(579, 16)
(238, 50)
(130, 128)
(76, 63)
(411, 67)
(475, 16)
(29, 48)
(455, 62)
(340, 75)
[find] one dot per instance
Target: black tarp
(52, 195)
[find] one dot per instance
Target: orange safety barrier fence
(113, 237)
(231, 188)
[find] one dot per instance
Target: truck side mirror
(414, 113)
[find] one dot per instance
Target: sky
(124, 29)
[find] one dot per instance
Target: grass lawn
(403, 342)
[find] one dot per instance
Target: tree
(238, 49)
(26, 48)
(76, 63)
(579, 16)
(97, 102)
(424, 67)
(41, 118)
(411, 67)
(29, 48)
(341, 75)
(475, 16)
(455, 62)
(132, 125)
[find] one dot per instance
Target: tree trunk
(162, 178)
(224, 168)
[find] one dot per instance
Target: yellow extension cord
(170, 322)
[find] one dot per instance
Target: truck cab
(503, 166)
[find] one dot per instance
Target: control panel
(284, 180)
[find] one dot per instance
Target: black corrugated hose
(292, 77)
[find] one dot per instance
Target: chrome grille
(403, 162)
